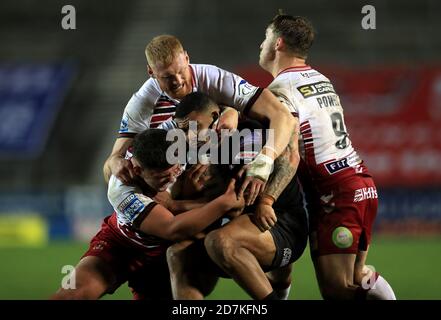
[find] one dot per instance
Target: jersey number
(339, 130)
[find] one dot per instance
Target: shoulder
(209, 70)
(143, 101)
(128, 201)
(149, 90)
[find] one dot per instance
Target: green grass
(412, 266)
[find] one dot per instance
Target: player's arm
(136, 113)
(116, 163)
(267, 108)
(162, 223)
(285, 168)
(178, 206)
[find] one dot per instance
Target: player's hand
(231, 199)
(251, 187)
(264, 217)
(164, 198)
(229, 119)
(196, 177)
(122, 169)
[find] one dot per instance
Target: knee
(85, 292)
(220, 247)
(174, 255)
(280, 277)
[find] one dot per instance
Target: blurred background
(62, 94)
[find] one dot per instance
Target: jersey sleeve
(139, 109)
(227, 88)
(130, 205)
(168, 125)
(285, 96)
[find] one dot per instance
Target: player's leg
(290, 235)
(335, 275)
(342, 241)
(372, 285)
(280, 280)
(93, 277)
(241, 250)
(191, 271)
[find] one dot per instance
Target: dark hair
(195, 101)
(150, 149)
(297, 32)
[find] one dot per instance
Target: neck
(282, 62)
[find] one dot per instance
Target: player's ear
(135, 167)
(187, 58)
(150, 71)
(137, 170)
(280, 44)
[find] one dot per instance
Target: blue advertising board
(30, 98)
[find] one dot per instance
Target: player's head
(168, 62)
(150, 159)
(293, 35)
(198, 107)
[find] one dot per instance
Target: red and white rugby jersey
(132, 203)
(150, 106)
(324, 141)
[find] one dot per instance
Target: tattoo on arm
(285, 167)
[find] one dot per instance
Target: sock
(381, 290)
(283, 293)
(272, 296)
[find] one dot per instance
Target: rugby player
(132, 242)
(171, 78)
(347, 199)
(241, 249)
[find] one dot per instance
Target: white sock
(381, 290)
(283, 294)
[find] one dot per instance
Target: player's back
(324, 143)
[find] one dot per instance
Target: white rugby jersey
(150, 106)
(324, 142)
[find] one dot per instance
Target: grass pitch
(412, 266)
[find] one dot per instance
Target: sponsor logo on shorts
(336, 166)
(100, 245)
(365, 193)
(315, 89)
(287, 252)
(342, 237)
(326, 202)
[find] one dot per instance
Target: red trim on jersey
(164, 104)
(160, 117)
(294, 69)
(127, 135)
(305, 131)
